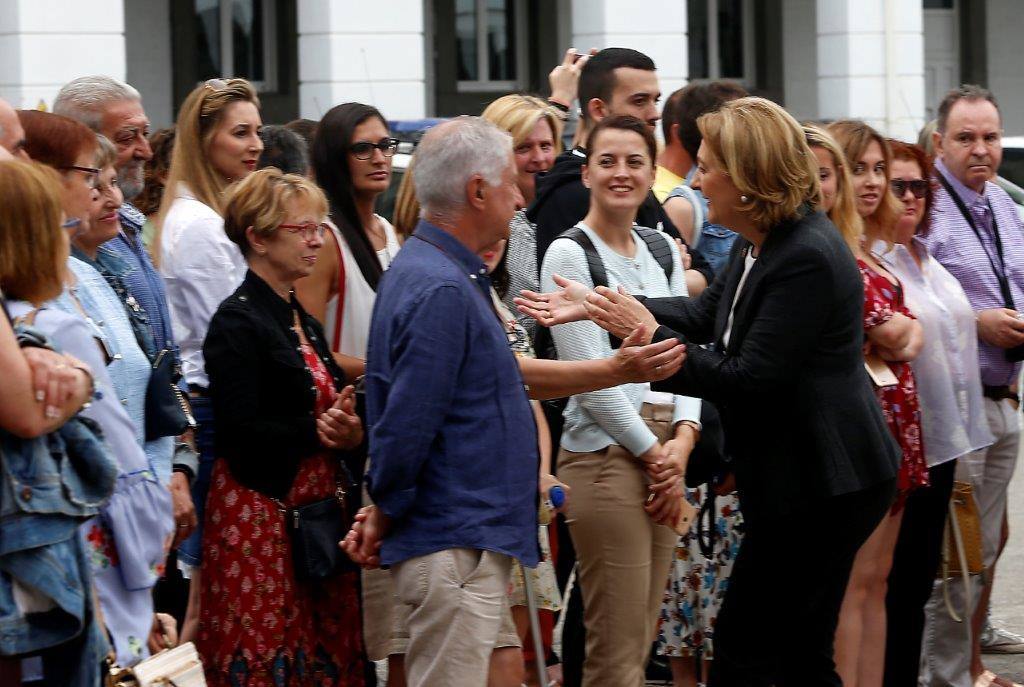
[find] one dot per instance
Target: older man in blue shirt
(453, 445)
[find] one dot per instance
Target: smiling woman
(217, 142)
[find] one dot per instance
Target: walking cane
(556, 497)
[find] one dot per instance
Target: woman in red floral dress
(892, 338)
(280, 428)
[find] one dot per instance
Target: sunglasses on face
(919, 187)
(363, 150)
(309, 231)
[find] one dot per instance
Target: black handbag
(316, 528)
(168, 413)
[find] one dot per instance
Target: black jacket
(562, 200)
(800, 416)
(263, 396)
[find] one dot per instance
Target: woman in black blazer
(775, 344)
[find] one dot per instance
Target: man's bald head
(12, 136)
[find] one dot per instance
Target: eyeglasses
(919, 187)
(309, 231)
(363, 150)
(215, 84)
(90, 172)
(71, 223)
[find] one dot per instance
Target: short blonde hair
(33, 251)
(844, 211)
(855, 136)
(519, 114)
(261, 201)
(197, 123)
(764, 151)
(407, 209)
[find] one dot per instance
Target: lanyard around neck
(1000, 271)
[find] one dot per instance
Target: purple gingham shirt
(954, 244)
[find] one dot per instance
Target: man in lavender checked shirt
(977, 235)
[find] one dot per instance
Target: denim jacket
(48, 486)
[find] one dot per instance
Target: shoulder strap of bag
(595, 265)
(1000, 272)
(339, 314)
(659, 246)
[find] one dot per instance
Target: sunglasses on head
(919, 187)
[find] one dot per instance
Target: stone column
(871, 63)
(656, 28)
(46, 44)
(354, 50)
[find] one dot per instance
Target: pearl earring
(744, 199)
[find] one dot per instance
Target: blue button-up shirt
(453, 443)
(954, 244)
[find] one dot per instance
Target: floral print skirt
(696, 584)
(259, 626)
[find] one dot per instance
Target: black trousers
(778, 619)
(915, 562)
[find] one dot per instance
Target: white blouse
(359, 297)
(201, 267)
(953, 421)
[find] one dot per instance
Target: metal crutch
(556, 497)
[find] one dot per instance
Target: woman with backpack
(623, 450)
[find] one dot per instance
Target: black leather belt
(999, 393)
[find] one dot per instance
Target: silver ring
(183, 526)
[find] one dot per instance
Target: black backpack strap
(660, 248)
(595, 265)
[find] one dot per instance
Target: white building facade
(885, 61)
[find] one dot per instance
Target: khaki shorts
(386, 619)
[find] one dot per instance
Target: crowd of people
(668, 394)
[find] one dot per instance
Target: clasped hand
(340, 428)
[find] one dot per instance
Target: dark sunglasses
(919, 187)
(363, 150)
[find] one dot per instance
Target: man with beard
(114, 109)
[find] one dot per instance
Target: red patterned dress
(259, 626)
(883, 299)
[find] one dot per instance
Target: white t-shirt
(359, 297)
(201, 267)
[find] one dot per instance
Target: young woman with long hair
(893, 337)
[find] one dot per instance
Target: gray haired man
(114, 109)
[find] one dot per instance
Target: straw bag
(961, 551)
(177, 667)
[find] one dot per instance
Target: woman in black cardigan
(281, 427)
(775, 344)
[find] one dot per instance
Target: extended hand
(340, 427)
(1000, 327)
(618, 312)
(636, 363)
(557, 307)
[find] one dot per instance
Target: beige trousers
(624, 557)
(456, 600)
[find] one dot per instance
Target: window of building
(237, 38)
(490, 44)
(721, 40)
